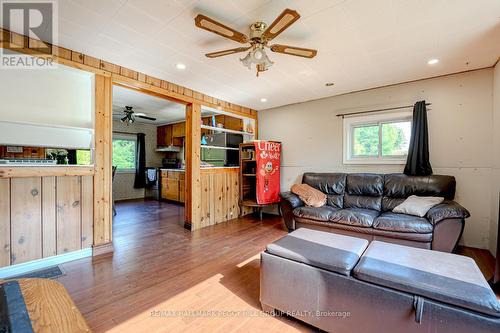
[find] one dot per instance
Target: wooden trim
(101, 249)
(103, 163)
(122, 75)
(45, 171)
(193, 173)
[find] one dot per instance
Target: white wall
(496, 160)
(123, 184)
(61, 96)
(460, 133)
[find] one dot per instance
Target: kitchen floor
(158, 265)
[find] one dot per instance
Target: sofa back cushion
(332, 184)
(399, 186)
(364, 190)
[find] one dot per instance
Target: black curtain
(418, 163)
(140, 162)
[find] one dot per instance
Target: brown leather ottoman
(338, 284)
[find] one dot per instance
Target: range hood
(168, 149)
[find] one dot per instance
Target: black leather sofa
(360, 205)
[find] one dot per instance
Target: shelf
(249, 175)
(218, 147)
(225, 130)
(248, 161)
(250, 202)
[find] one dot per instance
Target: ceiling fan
(130, 115)
(260, 36)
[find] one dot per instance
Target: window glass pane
(396, 138)
(83, 157)
(365, 141)
(124, 153)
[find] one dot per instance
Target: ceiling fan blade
(147, 118)
(206, 23)
(281, 23)
(292, 50)
(227, 52)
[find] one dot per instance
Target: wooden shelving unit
(248, 179)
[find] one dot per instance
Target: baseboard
(98, 250)
(14, 270)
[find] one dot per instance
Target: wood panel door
(26, 219)
(68, 214)
(178, 130)
(4, 222)
(170, 189)
(181, 191)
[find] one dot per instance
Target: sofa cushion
(354, 216)
(402, 223)
(444, 277)
(398, 185)
(315, 213)
(365, 184)
(335, 200)
(328, 183)
(360, 201)
(364, 190)
(336, 253)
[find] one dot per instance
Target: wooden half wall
(41, 217)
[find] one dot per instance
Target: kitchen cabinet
(170, 189)
(179, 130)
(172, 185)
(165, 137)
(228, 122)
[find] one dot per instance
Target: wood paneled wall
(44, 216)
(219, 196)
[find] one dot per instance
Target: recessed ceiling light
(263, 100)
(329, 84)
(180, 66)
(433, 61)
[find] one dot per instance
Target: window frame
(352, 122)
(126, 137)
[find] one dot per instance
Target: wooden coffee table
(50, 307)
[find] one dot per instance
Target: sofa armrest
(446, 210)
(293, 200)
(288, 203)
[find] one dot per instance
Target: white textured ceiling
(361, 43)
(163, 110)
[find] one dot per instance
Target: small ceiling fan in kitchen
(260, 36)
(129, 115)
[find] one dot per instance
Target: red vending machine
(268, 157)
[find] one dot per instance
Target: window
(382, 138)
(124, 152)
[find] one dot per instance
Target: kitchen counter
(20, 171)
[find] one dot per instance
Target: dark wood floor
(160, 266)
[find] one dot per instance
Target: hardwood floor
(158, 266)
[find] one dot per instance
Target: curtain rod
(379, 110)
